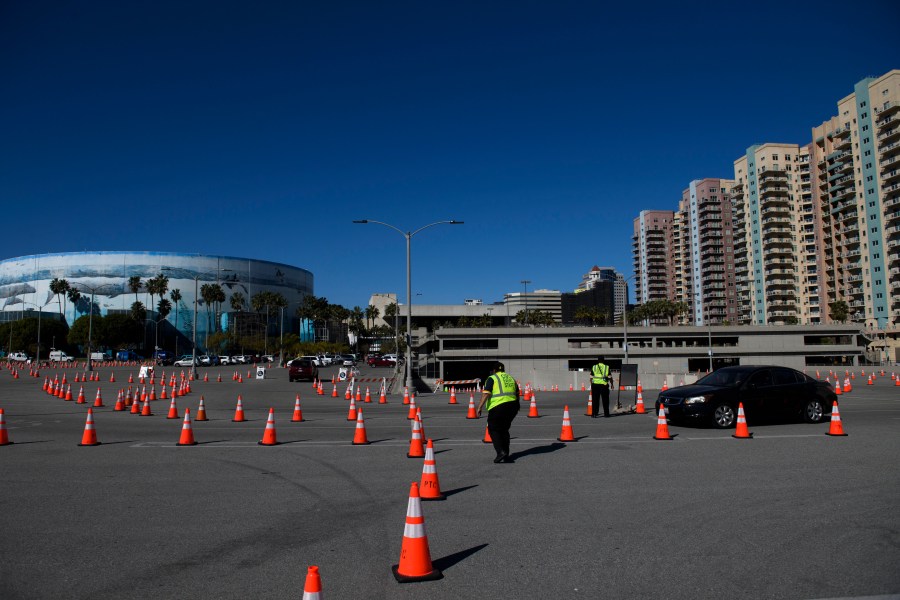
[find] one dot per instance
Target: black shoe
(508, 460)
(501, 457)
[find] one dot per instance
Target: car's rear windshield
(302, 363)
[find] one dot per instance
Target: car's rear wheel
(813, 411)
(723, 416)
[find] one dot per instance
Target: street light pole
(92, 290)
(408, 235)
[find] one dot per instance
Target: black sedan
(765, 391)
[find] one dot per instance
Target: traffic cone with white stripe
(589, 411)
(351, 414)
(359, 436)
(429, 485)
(298, 413)
(415, 556)
(836, 428)
(472, 413)
(145, 410)
(187, 434)
(201, 411)
(411, 414)
(269, 436)
(405, 396)
(639, 407)
(567, 434)
(416, 449)
(238, 412)
(452, 395)
(334, 392)
(98, 401)
(90, 434)
(382, 398)
(741, 431)
(312, 589)
(173, 410)
(532, 409)
(4, 435)
(368, 396)
(662, 425)
(120, 402)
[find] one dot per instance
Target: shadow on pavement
(538, 450)
(445, 562)
(458, 490)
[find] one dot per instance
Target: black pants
(599, 392)
(499, 420)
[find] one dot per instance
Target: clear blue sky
(262, 129)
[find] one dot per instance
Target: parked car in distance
(208, 360)
(381, 361)
(314, 359)
(347, 360)
(765, 391)
(186, 360)
(268, 358)
(18, 357)
(60, 356)
(225, 360)
(101, 356)
(123, 355)
(303, 368)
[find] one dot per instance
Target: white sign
(260, 372)
(146, 371)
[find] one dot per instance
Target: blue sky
(263, 129)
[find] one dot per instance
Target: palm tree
(138, 312)
(208, 293)
(164, 307)
(74, 296)
(60, 287)
(175, 295)
(134, 284)
(372, 313)
(356, 317)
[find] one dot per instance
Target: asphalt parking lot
(791, 513)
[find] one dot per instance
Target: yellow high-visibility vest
(600, 374)
(503, 390)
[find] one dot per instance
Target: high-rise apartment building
(811, 225)
(597, 275)
(857, 166)
(652, 245)
(704, 253)
(767, 198)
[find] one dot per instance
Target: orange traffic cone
(368, 396)
(320, 390)
(452, 396)
(837, 387)
(487, 436)
(145, 410)
(836, 428)
(173, 410)
(298, 414)
(334, 393)
(130, 378)
(429, 484)
(112, 377)
(566, 435)
(639, 407)
(163, 395)
(269, 438)
(382, 399)
(312, 589)
(201, 411)
(411, 414)
(589, 411)
(136, 407)
(120, 402)
(359, 437)
(416, 449)
(532, 409)
(187, 434)
(238, 412)
(665, 385)
(405, 396)
(4, 435)
(662, 425)
(472, 413)
(98, 401)
(69, 393)
(348, 392)
(741, 431)
(415, 556)
(351, 414)
(90, 434)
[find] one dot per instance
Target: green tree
(138, 312)
(60, 287)
(839, 311)
(163, 308)
(74, 296)
(372, 313)
(118, 331)
(134, 284)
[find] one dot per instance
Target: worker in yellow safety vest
(501, 394)
(601, 381)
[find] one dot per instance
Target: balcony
(886, 136)
(885, 114)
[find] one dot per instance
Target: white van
(98, 356)
(60, 356)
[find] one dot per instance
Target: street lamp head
(361, 221)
